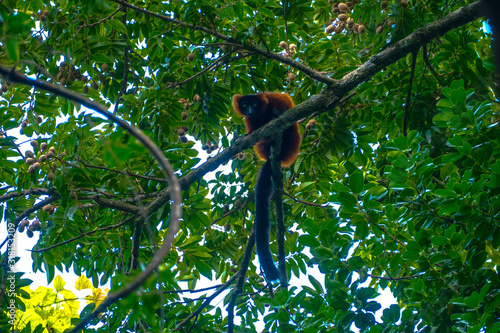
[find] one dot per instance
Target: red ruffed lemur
(258, 110)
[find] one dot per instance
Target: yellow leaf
(83, 283)
(59, 284)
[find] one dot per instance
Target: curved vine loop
(175, 190)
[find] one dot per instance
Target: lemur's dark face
(249, 105)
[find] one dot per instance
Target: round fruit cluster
(25, 224)
(45, 155)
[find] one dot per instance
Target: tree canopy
(110, 108)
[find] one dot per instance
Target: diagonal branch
(33, 191)
(36, 207)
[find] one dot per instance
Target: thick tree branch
(136, 243)
(116, 204)
(36, 207)
(99, 199)
(34, 191)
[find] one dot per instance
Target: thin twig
(125, 173)
(429, 65)
(383, 229)
(396, 278)
(245, 261)
(207, 302)
(406, 118)
(305, 202)
(114, 226)
(191, 291)
(219, 62)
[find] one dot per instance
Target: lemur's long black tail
(263, 194)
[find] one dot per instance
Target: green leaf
(347, 199)
(401, 143)
(363, 320)
(365, 293)
(398, 175)
(448, 209)
(192, 240)
(494, 182)
(472, 301)
(457, 238)
(372, 306)
(356, 182)
(492, 304)
(204, 269)
(442, 119)
(267, 13)
(200, 254)
(309, 241)
(317, 286)
(413, 246)
(13, 49)
(439, 240)
(117, 25)
(478, 259)
(458, 96)
(483, 292)
(446, 193)
(391, 314)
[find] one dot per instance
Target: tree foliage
(396, 187)
(55, 308)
